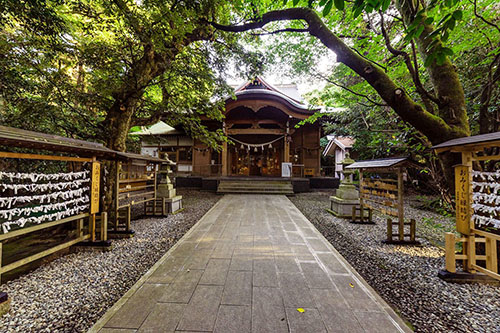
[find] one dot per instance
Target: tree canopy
(416, 72)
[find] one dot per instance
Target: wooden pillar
(286, 152)
(318, 171)
(389, 230)
(449, 244)
(401, 216)
(224, 152)
(463, 180)
(361, 194)
(491, 255)
(104, 227)
(224, 159)
(117, 194)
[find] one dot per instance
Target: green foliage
(64, 64)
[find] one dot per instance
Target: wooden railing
(80, 236)
(469, 255)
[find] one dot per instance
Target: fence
(33, 202)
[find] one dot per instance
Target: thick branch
(434, 127)
(413, 69)
(279, 31)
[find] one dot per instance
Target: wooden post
(79, 228)
(413, 227)
(104, 226)
(117, 192)
(1, 253)
(128, 217)
(286, 153)
(491, 255)
(370, 215)
(92, 227)
(353, 213)
(389, 230)
(471, 253)
(401, 217)
(361, 194)
(163, 206)
(224, 153)
(449, 245)
(224, 159)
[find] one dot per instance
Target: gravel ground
(71, 293)
(406, 276)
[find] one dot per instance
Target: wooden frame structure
(385, 195)
(470, 197)
(85, 221)
(136, 183)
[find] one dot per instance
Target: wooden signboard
(462, 198)
(94, 189)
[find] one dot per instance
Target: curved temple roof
(276, 96)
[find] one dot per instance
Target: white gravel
(406, 276)
(71, 293)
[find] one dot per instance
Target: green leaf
(429, 20)
(339, 4)
(358, 11)
(369, 8)
(284, 2)
(444, 19)
(430, 58)
(295, 2)
(322, 3)
(457, 14)
(385, 4)
(409, 36)
(440, 58)
(445, 36)
(419, 31)
(447, 51)
(327, 8)
(415, 22)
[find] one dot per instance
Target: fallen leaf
(350, 284)
(301, 310)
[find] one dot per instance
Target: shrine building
(261, 124)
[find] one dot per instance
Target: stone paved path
(247, 266)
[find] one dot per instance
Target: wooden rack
(474, 150)
(385, 195)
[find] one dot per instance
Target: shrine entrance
(257, 159)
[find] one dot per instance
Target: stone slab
(247, 265)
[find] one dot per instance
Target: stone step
(255, 186)
(242, 191)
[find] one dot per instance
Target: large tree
(432, 100)
(94, 69)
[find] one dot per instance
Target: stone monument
(346, 196)
(171, 202)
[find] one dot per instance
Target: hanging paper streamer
(43, 197)
(257, 145)
(486, 198)
(34, 177)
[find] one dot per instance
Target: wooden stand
(386, 196)
(135, 184)
(468, 192)
(361, 218)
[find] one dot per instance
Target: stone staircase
(251, 186)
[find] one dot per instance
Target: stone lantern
(346, 196)
(166, 191)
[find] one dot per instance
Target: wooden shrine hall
(261, 126)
